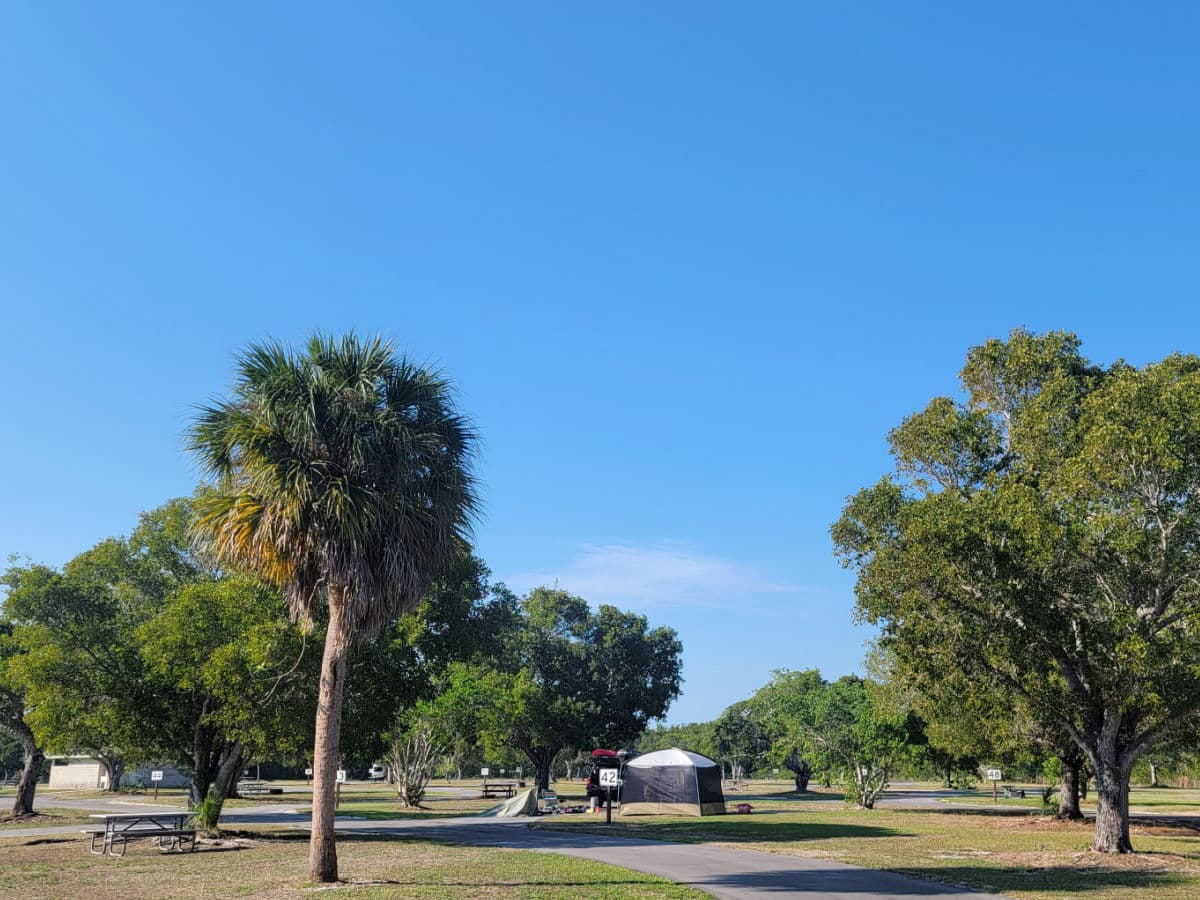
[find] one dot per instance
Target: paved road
(722, 872)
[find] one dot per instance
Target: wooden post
(608, 813)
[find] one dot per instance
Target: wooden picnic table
(120, 828)
(496, 788)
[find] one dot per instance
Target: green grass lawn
(276, 867)
(1023, 856)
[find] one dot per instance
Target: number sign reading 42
(609, 778)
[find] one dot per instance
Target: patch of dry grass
(275, 866)
(44, 817)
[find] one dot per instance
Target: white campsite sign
(485, 772)
(308, 773)
(609, 778)
(341, 776)
(994, 775)
(156, 775)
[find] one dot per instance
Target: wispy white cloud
(665, 573)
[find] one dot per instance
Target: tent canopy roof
(672, 757)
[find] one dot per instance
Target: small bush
(208, 811)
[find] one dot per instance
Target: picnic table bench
(169, 831)
(253, 788)
(496, 788)
(1011, 792)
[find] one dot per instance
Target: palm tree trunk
(322, 852)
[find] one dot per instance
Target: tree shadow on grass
(788, 797)
(1073, 879)
(948, 810)
(598, 883)
(737, 831)
(801, 877)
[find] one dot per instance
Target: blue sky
(687, 262)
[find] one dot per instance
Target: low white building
(86, 773)
(77, 773)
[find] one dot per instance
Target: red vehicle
(601, 759)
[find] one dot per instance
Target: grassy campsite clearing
(273, 866)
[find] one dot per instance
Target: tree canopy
(134, 651)
(1041, 533)
(575, 678)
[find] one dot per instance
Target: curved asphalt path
(720, 871)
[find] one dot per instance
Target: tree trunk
(233, 760)
(114, 770)
(322, 851)
(27, 785)
(1068, 793)
(543, 760)
(205, 762)
(1153, 775)
(223, 786)
(1112, 808)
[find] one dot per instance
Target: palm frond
(346, 466)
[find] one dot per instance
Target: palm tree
(344, 475)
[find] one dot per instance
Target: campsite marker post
(994, 776)
(608, 780)
(156, 777)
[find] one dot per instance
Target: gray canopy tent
(672, 783)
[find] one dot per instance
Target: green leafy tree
(576, 678)
(856, 735)
(741, 740)
(786, 706)
(343, 475)
(1041, 534)
(82, 675)
(972, 720)
(229, 659)
(699, 737)
(13, 725)
(134, 650)
(464, 617)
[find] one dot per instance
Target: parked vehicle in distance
(377, 772)
(601, 759)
